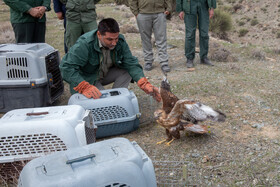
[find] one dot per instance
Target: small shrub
(228, 9)
(221, 22)
(246, 19)
(254, 22)
(237, 7)
(219, 2)
(243, 32)
(264, 10)
(241, 23)
(259, 55)
(231, 1)
(278, 35)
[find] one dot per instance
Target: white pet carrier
(33, 132)
(29, 76)
(116, 112)
(115, 162)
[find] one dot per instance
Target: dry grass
(246, 88)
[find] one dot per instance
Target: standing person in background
(28, 19)
(193, 12)
(151, 17)
(60, 10)
(80, 19)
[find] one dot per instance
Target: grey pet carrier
(29, 76)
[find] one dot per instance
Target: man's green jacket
(19, 8)
(83, 60)
(81, 11)
(185, 5)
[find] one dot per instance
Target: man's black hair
(108, 25)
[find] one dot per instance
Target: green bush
(254, 22)
(241, 23)
(243, 32)
(228, 9)
(221, 22)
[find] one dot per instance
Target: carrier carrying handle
(82, 158)
(36, 113)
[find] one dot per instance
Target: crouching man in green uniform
(28, 19)
(193, 12)
(101, 57)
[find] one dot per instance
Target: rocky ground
(244, 84)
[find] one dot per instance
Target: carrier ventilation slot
(17, 68)
(109, 113)
(30, 144)
(52, 65)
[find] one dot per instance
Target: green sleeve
(73, 61)
(133, 4)
(179, 5)
(131, 64)
(212, 4)
(18, 5)
(47, 3)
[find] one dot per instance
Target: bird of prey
(178, 115)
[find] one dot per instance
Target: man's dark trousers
(30, 32)
(199, 13)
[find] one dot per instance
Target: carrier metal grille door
(55, 80)
(17, 68)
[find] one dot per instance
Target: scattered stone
(205, 159)
(128, 28)
(195, 155)
(258, 125)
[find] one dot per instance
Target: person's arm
(47, 4)
(212, 5)
(133, 4)
(179, 6)
(168, 6)
(131, 64)
(18, 5)
(57, 6)
(73, 61)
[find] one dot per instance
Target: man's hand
(34, 12)
(60, 15)
(211, 13)
(144, 84)
(88, 90)
(42, 10)
(181, 15)
(166, 12)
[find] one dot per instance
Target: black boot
(190, 63)
(206, 61)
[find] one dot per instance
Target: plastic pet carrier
(29, 76)
(33, 132)
(116, 112)
(115, 162)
